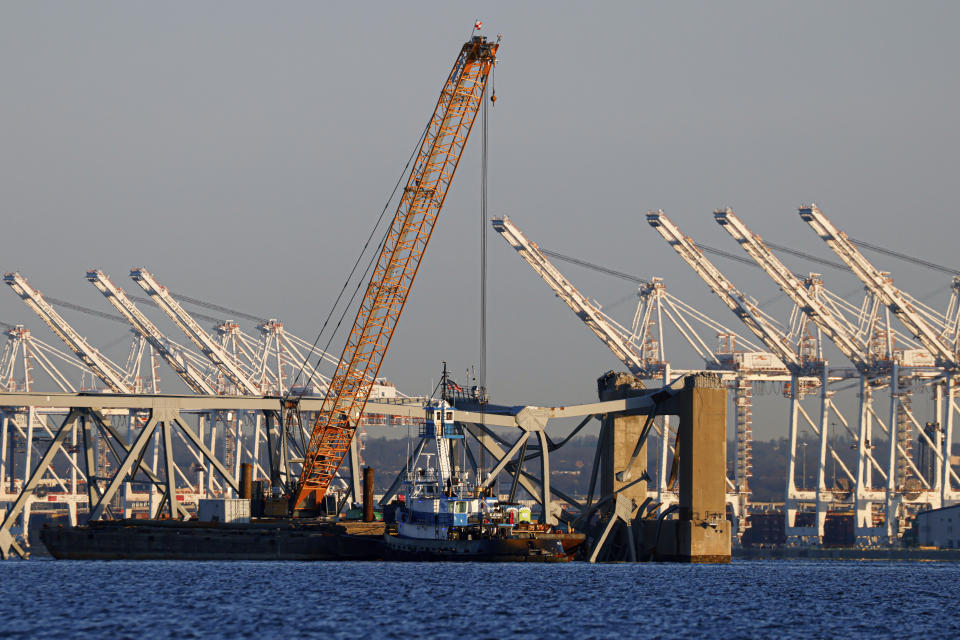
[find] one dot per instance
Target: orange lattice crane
(396, 267)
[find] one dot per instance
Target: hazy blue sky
(241, 151)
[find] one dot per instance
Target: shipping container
(225, 510)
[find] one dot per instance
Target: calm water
(761, 599)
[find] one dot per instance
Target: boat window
(461, 507)
(436, 416)
(449, 416)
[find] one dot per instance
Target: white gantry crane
(951, 328)
(807, 296)
(806, 365)
(143, 326)
(881, 284)
(280, 355)
(111, 375)
(647, 366)
(229, 366)
(210, 348)
(937, 342)
(591, 316)
(226, 353)
(641, 349)
(24, 349)
(797, 290)
(744, 309)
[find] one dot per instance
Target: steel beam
(133, 455)
(6, 539)
(172, 501)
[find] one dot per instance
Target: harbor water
(746, 599)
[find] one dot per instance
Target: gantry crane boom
(748, 312)
(951, 332)
(590, 315)
(396, 267)
(791, 285)
(142, 325)
(881, 285)
(194, 331)
(98, 364)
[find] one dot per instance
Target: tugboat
(443, 516)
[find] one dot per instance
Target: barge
(192, 540)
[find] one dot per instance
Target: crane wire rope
(484, 150)
(806, 256)
(779, 247)
(217, 307)
(637, 280)
(708, 249)
(905, 257)
(87, 310)
(360, 281)
(482, 379)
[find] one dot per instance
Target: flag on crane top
(477, 26)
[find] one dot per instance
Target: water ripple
(366, 600)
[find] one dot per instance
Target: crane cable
(482, 382)
(217, 307)
(905, 257)
(482, 378)
(346, 284)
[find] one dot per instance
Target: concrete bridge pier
(695, 530)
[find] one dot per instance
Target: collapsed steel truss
(509, 436)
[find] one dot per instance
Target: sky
(241, 151)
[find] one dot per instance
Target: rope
(86, 310)
(905, 257)
(483, 247)
(353, 270)
(217, 307)
(482, 378)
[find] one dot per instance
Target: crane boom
(585, 310)
(118, 298)
(396, 267)
(791, 285)
(98, 364)
(880, 284)
(748, 312)
(952, 326)
(220, 358)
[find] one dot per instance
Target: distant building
(939, 528)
